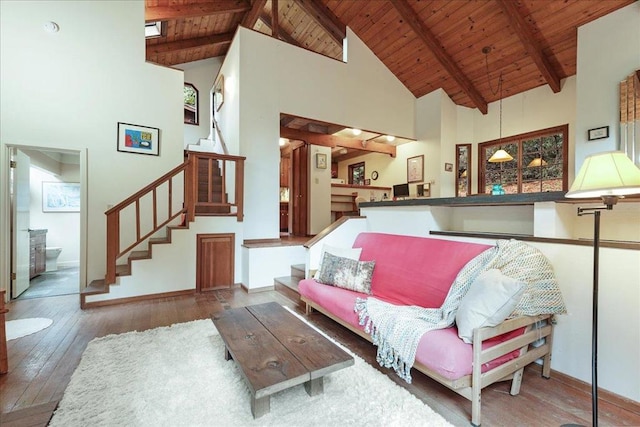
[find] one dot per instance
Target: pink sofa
(419, 271)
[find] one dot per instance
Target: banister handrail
(190, 202)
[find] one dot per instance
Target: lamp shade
(537, 162)
(500, 156)
(606, 174)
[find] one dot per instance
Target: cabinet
(37, 252)
(215, 261)
(284, 217)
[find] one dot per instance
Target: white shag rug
(177, 376)
(22, 327)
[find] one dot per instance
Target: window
(155, 29)
(463, 170)
(356, 173)
(190, 104)
(539, 162)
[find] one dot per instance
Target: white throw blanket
(397, 330)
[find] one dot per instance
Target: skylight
(152, 29)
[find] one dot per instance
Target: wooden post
(113, 245)
(239, 199)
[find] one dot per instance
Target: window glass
(539, 162)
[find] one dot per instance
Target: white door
(20, 192)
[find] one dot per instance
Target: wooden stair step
(95, 287)
(139, 255)
(159, 240)
(123, 270)
(285, 286)
(298, 271)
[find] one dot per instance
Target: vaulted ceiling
(461, 46)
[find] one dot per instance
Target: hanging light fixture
(537, 162)
(501, 155)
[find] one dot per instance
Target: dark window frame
(518, 167)
(352, 169)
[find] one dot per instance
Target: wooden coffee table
(275, 350)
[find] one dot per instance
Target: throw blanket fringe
(397, 330)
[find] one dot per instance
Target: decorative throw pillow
(346, 273)
(352, 253)
(489, 301)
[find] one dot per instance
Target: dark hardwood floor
(40, 365)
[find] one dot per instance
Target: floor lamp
(610, 175)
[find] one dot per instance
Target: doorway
(47, 212)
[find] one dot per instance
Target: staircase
(288, 285)
(203, 193)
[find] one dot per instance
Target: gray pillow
(346, 273)
(489, 301)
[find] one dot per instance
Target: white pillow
(489, 301)
(351, 253)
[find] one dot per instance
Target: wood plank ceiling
(427, 44)
(464, 47)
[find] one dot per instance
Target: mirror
(190, 104)
(463, 170)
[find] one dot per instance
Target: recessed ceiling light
(282, 141)
(51, 27)
(390, 138)
(356, 132)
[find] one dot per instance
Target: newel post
(113, 245)
(190, 187)
(240, 189)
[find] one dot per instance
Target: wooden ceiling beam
(337, 141)
(187, 44)
(326, 18)
(532, 47)
(411, 17)
(253, 14)
(182, 11)
(283, 35)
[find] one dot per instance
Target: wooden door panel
(299, 195)
(215, 261)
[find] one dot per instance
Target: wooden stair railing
(143, 206)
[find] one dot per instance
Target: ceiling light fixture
(537, 162)
(356, 132)
(282, 142)
(390, 138)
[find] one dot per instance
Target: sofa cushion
(489, 301)
(414, 270)
(346, 273)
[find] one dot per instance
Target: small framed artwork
(415, 169)
(321, 160)
(138, 139)
(598, 133)
(218, 92)
(448, 167)
(60, 197)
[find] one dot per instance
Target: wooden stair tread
(139, 255)
(287, 282)
(159, 240)
(123, 270)
(95, 287)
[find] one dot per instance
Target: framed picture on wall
(415, 169)
(138, 139)
(60, 197)
(321, 160)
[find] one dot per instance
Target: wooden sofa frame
(470, 386)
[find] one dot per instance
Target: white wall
(202, 75)
(608, 51)
(277, 77)
(532, 110)
(70, 89)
